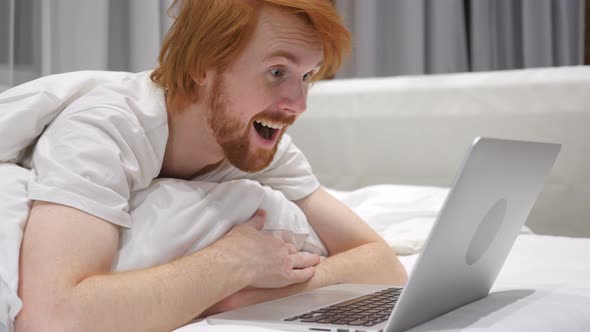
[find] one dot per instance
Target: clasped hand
(269, 261)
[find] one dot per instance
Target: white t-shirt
(105, 139)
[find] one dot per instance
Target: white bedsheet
(543, 286)
(402, 215)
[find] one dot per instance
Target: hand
(270, 262)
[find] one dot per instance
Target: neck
(191, 148)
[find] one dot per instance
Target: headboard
(416, 130)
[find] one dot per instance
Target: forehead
(278, 31)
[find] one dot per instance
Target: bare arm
(65, 282)
(357, 254)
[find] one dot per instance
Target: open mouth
(268, 130)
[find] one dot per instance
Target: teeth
(270, 124)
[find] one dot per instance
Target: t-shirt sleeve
(289, 172)
(92, 160)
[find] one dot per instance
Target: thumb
(258, 219)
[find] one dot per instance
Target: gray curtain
(41, 37)
(391, 37)
(406, 37)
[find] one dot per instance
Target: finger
(303, 260)
(291, 248)
(258, 219)
(299, 276)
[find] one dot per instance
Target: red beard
(233, 135)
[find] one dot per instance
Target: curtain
(405, 37)
(391, 37)
(42, 37)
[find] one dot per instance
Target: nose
(294, 98)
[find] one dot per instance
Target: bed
(390, 147)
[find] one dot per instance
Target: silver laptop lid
(493, 194)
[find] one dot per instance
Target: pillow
(173, 218)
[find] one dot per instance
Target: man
(233, 76)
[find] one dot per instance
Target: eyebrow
(289, 56)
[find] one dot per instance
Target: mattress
(544, 284)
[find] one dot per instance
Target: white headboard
(416, 130)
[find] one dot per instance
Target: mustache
(284, 119)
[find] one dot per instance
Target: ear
(200, 79)
(203, 78)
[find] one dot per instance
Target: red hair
(212, 33)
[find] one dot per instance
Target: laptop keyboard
(366, 310)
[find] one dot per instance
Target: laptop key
(358, 322)
(313, 319)
(368, 308)
(371, 323)
(355, 300)
(327, 320)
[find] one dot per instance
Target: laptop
(490, 200)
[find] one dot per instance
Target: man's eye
(277, 72)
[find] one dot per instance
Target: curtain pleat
(54, 36)
(408, 37)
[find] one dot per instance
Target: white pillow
(173, 218)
